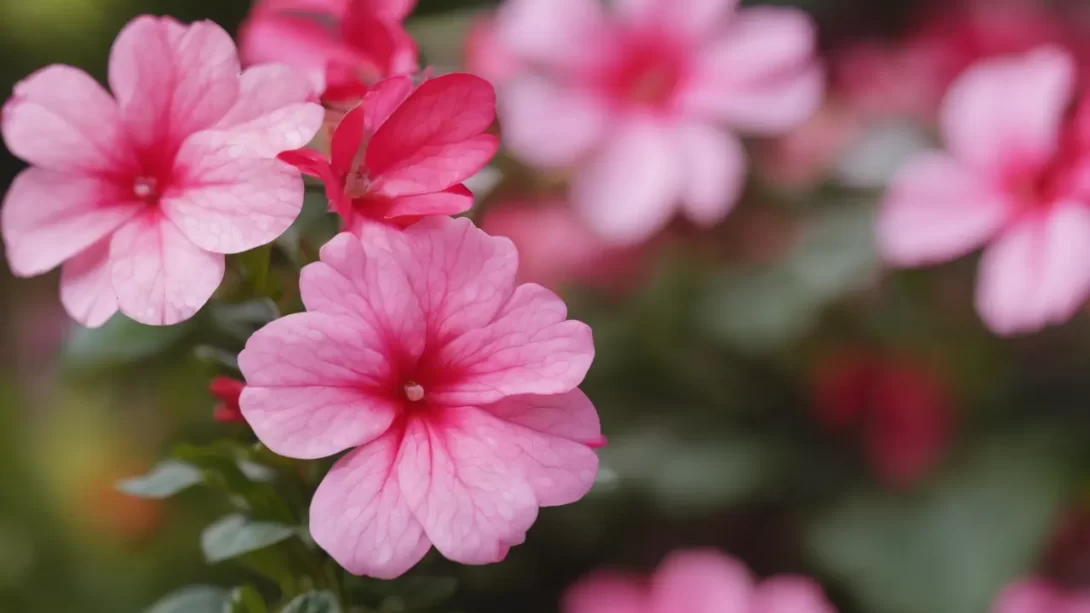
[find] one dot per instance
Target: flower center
(146, 188)
(356, 184)
(648, 73)
(414, 391)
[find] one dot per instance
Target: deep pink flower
(140, 195)
(699, 581)
(454, 386)
(227, 391)
(403, 154)
(636, 101)
(1034, 595)
(1014, 178)
(343, 45)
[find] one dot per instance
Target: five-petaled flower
(141, 195)
(454, 387)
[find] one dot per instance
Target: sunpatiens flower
(403, 154)
(454, 387)
(1040, 596)
(1015, 178)
(343, 45)
(140, 196)
(227, 391)
(696, 582)
(635, 102)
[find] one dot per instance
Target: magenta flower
(403, 154)
(1040, 596)
(635, 102)
(700, 581)
(1014, 178)
(454, 387)
(140, 195)
(343, 45)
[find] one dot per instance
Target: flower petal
(689, 18)
(274, 111)
(359, 124)
(287, 37)
(715, 165)
(551, 32)
(606, 593)
(451, 201)
(936, 210)
(1030, 596)
(48, 217)
(787, 594)
(701, 582)
(383, 42)
(87, 290)
(547, 125)
(314, 385)
(360, 517)
(160, 277)
(394, 10)
(1034, 274)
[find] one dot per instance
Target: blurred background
(766, 387)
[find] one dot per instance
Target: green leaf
(193, 599)
(235, 535)
(245, 599)
(121, 341)
(165, 480)
(241, 319)
(421, 593)
(313, 602)
(214, 356)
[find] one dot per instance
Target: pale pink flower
(637, 101)
(343, 45)
(1014, 178)
(403, 154)
(698, 581)
(140, 195)
(454, 387)
(1034, 595)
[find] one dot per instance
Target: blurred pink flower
(454, 386)
(227, 391)
(343, 45)
(403, 154)
(699, 581)
(806, 155)
(1034, 595)
(141, 196)
(900, 405)
(635, 100)
(1014, 178)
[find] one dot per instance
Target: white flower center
(145, 187)
(414, 391)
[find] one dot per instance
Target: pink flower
(1014, 178)
(700, 581)
(343, 45)
(454, 387)
(1033, 595)
(635, 102)
(140, 195)
(403, 154)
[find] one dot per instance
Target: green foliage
(236, 535)
(165, 480)
(194, 599)
(313, 602)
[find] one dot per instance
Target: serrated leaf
(193, 599)
(121, 341)
(313, 602)
(165, 480)
(236, 535)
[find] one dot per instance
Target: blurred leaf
(873, 160)
(241, 319)
(442, 36)
(313, 602)
(193, 599)
(121, 341)
(836, 253)
(952, 548)
(256, 472)
(165, 480)
(245, 599)
(420, 593)
(214, 356)
(255, 267)
(235, 535)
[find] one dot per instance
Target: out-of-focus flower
(1014, 178)
(555, 248)
(698, 581)
(141, 196)
(1035, 595)
(344, 46)
(808, 154)
(900, 405)
(402, 154)
(227, 391)
(487, 56)
(454, 386)
(636, 100)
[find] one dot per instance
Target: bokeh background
(766, 387)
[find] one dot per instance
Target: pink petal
(715, 165)
(606, 593)
(394, 10)
(547, 439)
(785, 594)
(451, 201)
(762, 75)
(486, 56)
(530, 348)
(359, 124)
(689, 18)
(290, 38)
(314, 385)
(473, 504)
(60, 118)
(1029, 596)
(435, 139)
(631, 188)
(160, 277)
(48, 217)
(227, 202)
(701, 582)
(274, 111)
(551, 32)
(360, 517)
(87, 290)
(1008, 111)
(385, 43)
(1033, 275)
(172, 80)
(547, 125)
(936, 210)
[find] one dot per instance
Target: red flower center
(647, 72)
